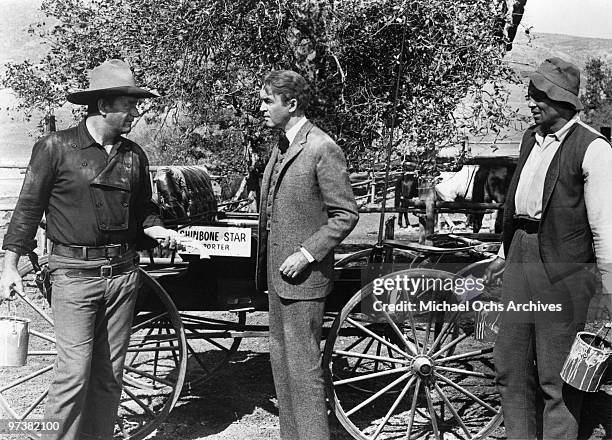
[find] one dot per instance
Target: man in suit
(557, 221)
(307, 208)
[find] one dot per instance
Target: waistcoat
(564, 237)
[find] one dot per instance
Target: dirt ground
(238, 402)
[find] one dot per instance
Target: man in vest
(307, 208)
(557, 223)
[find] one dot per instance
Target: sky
(583, 18)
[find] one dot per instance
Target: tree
(597, 96)
(374, 65)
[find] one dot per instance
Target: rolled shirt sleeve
(597, 170)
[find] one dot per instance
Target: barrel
(587, 362)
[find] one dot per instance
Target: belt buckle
(106, 271)
(108, 250)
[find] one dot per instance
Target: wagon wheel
(210, 343)
(154, 370)
(421, 390)
(211, 337)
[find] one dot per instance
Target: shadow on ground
(242, 394)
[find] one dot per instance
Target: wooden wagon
(398, 373)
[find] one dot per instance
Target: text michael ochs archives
(405, 293)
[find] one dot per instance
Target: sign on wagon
(220, 240)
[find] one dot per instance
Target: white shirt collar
(560, 134)
(293, 131)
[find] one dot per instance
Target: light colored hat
(111, 78)
(560, 81)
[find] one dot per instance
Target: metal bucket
(587, 362)
(14, 339)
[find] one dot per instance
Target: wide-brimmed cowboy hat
(111, 78)
(560, 81)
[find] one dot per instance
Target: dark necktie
(283, 143)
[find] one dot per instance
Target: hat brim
(85, 97)
(553, 91)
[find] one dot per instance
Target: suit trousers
(532, 346)
(295, 354)
(93, 319)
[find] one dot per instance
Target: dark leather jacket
(89, 197)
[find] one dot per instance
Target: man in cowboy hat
(557, 222)
(93, 186)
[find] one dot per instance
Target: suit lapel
(265, 180)
(294, 149)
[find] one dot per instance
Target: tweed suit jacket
(313, 207)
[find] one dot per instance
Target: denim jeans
(93, 318)
(531, 347)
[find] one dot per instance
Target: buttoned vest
(564, 237)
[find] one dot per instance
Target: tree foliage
(362, 57)
(597, 96)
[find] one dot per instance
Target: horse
(491, 184)
(476, 183)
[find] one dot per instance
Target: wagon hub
(423, 366)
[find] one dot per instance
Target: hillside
(531, 51)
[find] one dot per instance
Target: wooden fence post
(372, 188)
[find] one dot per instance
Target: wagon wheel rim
(157, 392)
(420, 379)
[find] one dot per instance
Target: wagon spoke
(452, 409)
(449, 345)
(148, 375)
(371, 376)
(379, 393)
(358, 362)
(42, 335)
(465, 356)
(356, 343)
(393, 408)
(466, 392)
(370, 356)
(26, 378)
(378, 338)
(137, 352)
(412, 412)
(466, 372)
(432, 412)
(171, 343)
(399, 333)
(148, 321)
(139, 402)
(34, 404)
(445, 330)
(427, 331)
